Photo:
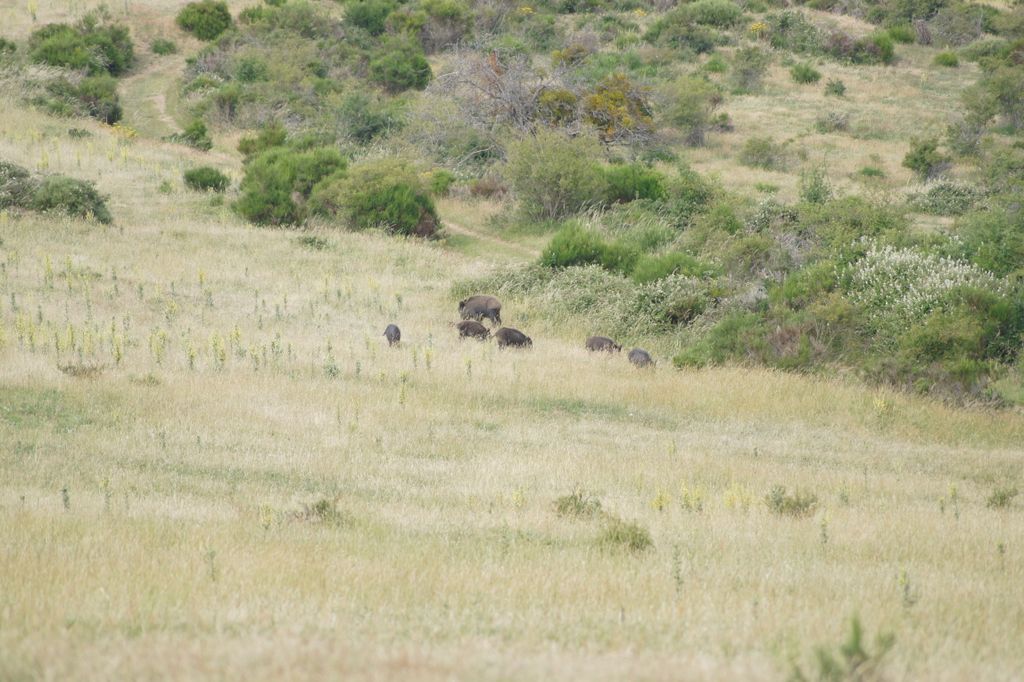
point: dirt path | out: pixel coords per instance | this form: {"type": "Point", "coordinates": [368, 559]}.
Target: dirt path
{"type": "Point", "coordinates": [518, 249]}
{"type": "Point", "coordinates": [144, 96]}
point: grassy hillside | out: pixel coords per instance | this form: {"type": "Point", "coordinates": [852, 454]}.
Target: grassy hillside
{"type": "Point", "coordinates": [212, 465]}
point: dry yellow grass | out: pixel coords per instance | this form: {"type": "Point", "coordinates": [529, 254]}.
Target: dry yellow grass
{"type": "Point", "coordinates": [151, 508]}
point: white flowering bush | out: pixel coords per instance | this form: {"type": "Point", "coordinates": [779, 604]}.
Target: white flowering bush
{"type": "Point", "coordinates": [899, 287]}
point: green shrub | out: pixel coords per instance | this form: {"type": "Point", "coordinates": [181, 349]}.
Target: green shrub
{"type": "Point", "coordinates": [367, 117]}
{"type": "Point", "coordinates": [575, 245]}
{"type": "Point", "coordinates": [945, 197]}
{"type": "Point", "coordinates": [677, 30]}
{"type": "Point", "coordinates": [627, 182]}
{"type": "Point", "coordinates": [400, 66]}
{"type": "Point", "coordinates": [764, 152]}
{"type": "Point", "coordinates": [382, 193]}
{"type": "Point", "coordinates": [687, 194]}
{"type": "Point", "coordinates": [275, 178]}
{"type": "Point", "coordinates": [691, 101]}
{"type": "Point", "coordinates": [652, 268]}
{"type": "Point", "coordinates": [948, 59]}
{"type": "Point", "coordinates": [835, 88]}
{"type": "Point", "coordinates": [369, 15]}
{"type": "Point", "coordinates": [871, 172]}
{"type": "Point", "coordinates": [7, 47]}
{"type": "Point", "coordinates": [815, 187]}
{"type": "Point", "coordinates": [628, 535]}
{"type": "Point", "coordinates": [16, 186]}
{"type": "Point", "coordinates": [925, 159]}
{"type": "Point", "coordinates": [902, 33]}
{"type": "Point", "coordinates": [205, 20]}
{"type": "Point", "coordinates": [440, 182]}
{"type": "Point", "coordinates": [194, 135]}
{"type": "Point", "coordinates": [206, 179]}
{"type": "Point", "coordinates": [76, 198]}
{"type": "Point", "coordinates": [790, 504]}
{"type": "Point", "coordinates": [554, 175]}
{"type": "Point", "coordinates": [718, 13]}
{"type": "Point", "coordinates": [98, 95]}
{"type": "Point", "coordinates": [994, 239]}
{"type": "Point", "coordinates": [749, 65]}
{"type": "Point", "coordinates": [162, 46]}
{"type": "Point", "coordinates": [272, 135]}
{"type": "Point", "coordinates": [804, 73]}
{"type": "Point", "coordinates": [90, 45]}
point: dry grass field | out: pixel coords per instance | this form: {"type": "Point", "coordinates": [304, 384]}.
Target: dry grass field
{"type": "Point", "coordinates": [213, 467]}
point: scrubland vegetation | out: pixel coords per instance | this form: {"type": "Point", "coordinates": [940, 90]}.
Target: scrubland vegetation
{"type": "Point", "coordinates": [213, 465]}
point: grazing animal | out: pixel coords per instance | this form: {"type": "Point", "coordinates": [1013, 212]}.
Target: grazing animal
{"type": "Point", "coordinates": [393, 334]}
{"type": "Point", "coordinates": [512, 337]}
{"type": "Point", "coordinates": [603, 343]}
{"type": "Point", "coordinates": [640, 358]}
{"type": "Point", "coordinates": [472, 328]}
{"type": "Point", "coordinates": [480, 307]}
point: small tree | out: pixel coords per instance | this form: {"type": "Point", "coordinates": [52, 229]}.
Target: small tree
{"type": "Point", "coordinates": [379, 193]}
{"type": "Point", "coordinates": [554, 175]}
{"type": "Point", "coordinates": [925, 159]}
{"type": "Point", "coordinates": [749, 66]}
{"type": "Point", "coordinates": [205, 20]}
{"type": "Point", "coordinates": [620, 110]}
{"type": "Point", "coordinates": [690, 102]}
{"type": "Point", "coordinates": [400, 66]}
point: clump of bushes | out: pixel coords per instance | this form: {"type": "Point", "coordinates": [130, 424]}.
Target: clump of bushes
{"type": "Point", "coordinates": [925, 159]}
{"type": "Point", "coordinates": [400, 65]}
{"type": "Point", "coordinates": [382, 193]}
{"type": "Point", "coordinates": [627, 182]}
{"type": "Point", "coordinates": [195, 135]}
{"type": "Point", "coordinates": [553, 175]}
{"type": "Point", "coordinates": [205, 20]}
{"type": "Point", "coordinates": [832, 121]}
{"type": "Point", "coordinates": [835, 88]}
{"type": "Point", "coordinates": [163, 46]}
{"type": "Point", "coordinates": [804, 74]}
{"type": "Point", "coordinates": [206, 179]}
{"type": "Point", "coordinates": [749, 65]}
{"type": "Point", "coordinates": [944, 197]}
{"type": "Point", "coordinates": [627, 535]}
{"type": "Point", "coordinates": [92, 45]}
{"type": "Point", "coordinates": [94, 96]}
{"type": "Point", "coordinates": [19, 189]}
{"type": "Point", "coordinates": [278, 183]}
{"type": "Point", "coordinates": [764, 152]}
{"type": "Point", "coordinates": [947, 59]}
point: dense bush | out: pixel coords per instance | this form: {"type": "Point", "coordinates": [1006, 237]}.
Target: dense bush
{"type": "Point", "coordinates": [16, 186]}
{"type": "Point", "coordinates": [944, 197]}
{"type": "Point", "coordinates": [206, 179]}
{"type": "Point", "coordinates": [718, 13]}
{"type": "Point", "coordinates": [91, 45]}
{"type": "Point", "coordinates": [804, 73]}
{"type": "Point", "coordinates": [7, 47]}
{"type": "Point", "coordinates": [947, 59]}
{"type": "Point", "coordinates": [689, 104]}
{"type": "Point", "coordinates": [925, 159]}
{"type": "Point", "coordinates": [993, 239]}
{"type": "Point", "coordinates": [576, 245]}
{"type": "Point", "coordinates": [381, 193]}
{"type": "Point", "coordinates": [764, 152]}
{"type": "Point", "coordinates": [369, 15]}
{"type": "Point", "coordinates": [162, 46]}
{"type": "Point", "coordinates": [278, 182]}
{"type": "Point", "coordinates": [205, 20]}
{"type": "Point", "coordinates": [835, 88]}
{"type": "Point", "coordinates": [749, 65]}
{"type": "Point", "coordinates": [627, 182]}
{"type": "Point", "coordinates": [400, 66]}
{"type": "Point", "coordinates": [677, 30]}
{"type": "Point", "coordinates": [194, 135]}
{"type": "Point", "coordinates": [555, 176]}
{"type": "Point", "coordinates": [78, 198]}
{"type": "Point", "coordinates": [94, 96]}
